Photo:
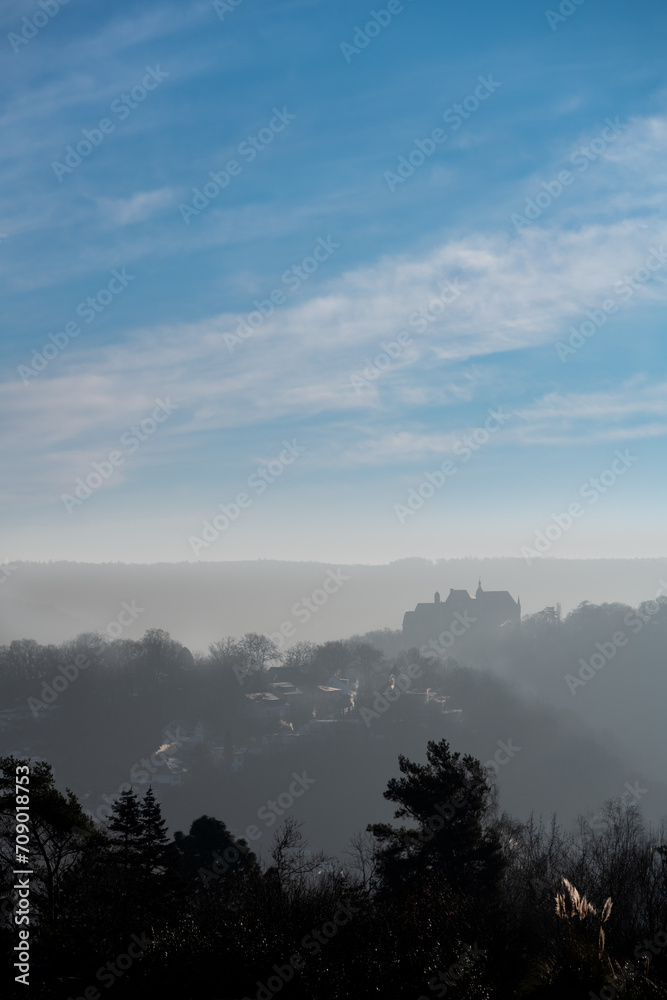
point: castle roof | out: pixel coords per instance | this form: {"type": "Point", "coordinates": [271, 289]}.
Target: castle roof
{"type": "Point", "coordinates": [496, 599]}
{"type": "Point", "coordinates": [489, 609]}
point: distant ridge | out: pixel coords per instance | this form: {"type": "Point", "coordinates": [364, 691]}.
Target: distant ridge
{"type": "Point", "coordinates": [201, 602]}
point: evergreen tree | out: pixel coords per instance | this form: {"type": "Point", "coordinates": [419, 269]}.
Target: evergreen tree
{"type": "Point", "coordinates": [209, 853]}
{"type": "Point", "coordinates": [159, 862]}
{"type": "Point", "coordinates": [126, 827]}
{"type": "Point", "coordinates": [157, 854]}
{"type": "Point", "coordinates": [450, 799]}
{"type": "Point", "coordinates": [144, 859]}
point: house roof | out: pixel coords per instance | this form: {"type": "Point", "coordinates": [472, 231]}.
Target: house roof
{"type": "Point", "coordinates": [284, 688]}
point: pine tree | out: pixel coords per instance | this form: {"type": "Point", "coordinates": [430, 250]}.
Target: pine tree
{"type": "Point", "coordinates": [450, 799]}
{"type": "Point", "coordinates": [159, 861]}
{"type": "Point", "coordinates": [125, 826]}
{"type": "Point", "coordinates": [157, 856]}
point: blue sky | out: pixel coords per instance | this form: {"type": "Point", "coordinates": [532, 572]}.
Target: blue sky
{"type": "Point", "coordinates": [583, 94]}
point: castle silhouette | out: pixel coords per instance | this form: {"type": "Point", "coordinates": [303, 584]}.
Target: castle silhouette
{"type": "Point", "coordinates": [460, 615]}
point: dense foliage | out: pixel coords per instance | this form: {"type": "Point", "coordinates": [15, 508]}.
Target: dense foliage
{"type": "Point", "coordinates": [457, 898]}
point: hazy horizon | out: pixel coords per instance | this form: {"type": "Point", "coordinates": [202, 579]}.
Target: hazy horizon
{"type": "Point", "coordinates": [54, 601]}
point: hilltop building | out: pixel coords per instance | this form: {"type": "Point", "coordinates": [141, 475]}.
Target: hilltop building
{"type": "Point", "coordinates": [459, 616]}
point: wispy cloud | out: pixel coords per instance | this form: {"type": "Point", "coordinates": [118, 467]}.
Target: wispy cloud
{"type": "Point", "coordinates": [626, 412]}
{"type": "Point", "coordinates": [136, 208]}
{"type": "Point", "coordinates": [519, 293]}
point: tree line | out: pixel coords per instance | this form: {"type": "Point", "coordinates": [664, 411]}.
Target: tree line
{"type": "Point", "coordinates": [454, 899]}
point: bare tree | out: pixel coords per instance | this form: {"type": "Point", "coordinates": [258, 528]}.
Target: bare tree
{"type": "Point", "coordinates": [294, 864]}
